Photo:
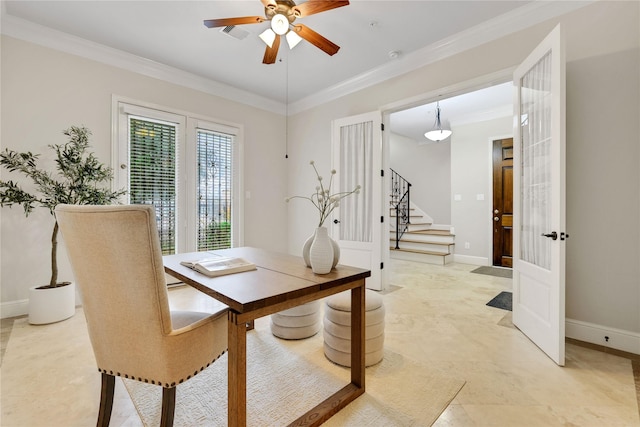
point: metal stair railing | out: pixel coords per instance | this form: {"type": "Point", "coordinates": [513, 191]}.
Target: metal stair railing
{"type": "Point", "coordinates": [400, 198]}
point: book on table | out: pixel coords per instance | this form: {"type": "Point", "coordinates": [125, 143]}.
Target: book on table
{"type": "Point", "coordinates": [219, 266]}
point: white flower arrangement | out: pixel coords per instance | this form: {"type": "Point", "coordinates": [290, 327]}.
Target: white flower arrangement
{"type": "Point", "coordinates": [322, 199]}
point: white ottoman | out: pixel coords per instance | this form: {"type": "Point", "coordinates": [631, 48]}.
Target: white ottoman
{"type": "Point", "coordinates": [298, 322]}
{"type": "Point", "coordinates": [337, 328]}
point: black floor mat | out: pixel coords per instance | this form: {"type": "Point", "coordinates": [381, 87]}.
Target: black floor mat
{"type": "Point", "coordinates": [503, 300]}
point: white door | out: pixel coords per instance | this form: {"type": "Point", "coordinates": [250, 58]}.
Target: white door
{"type": "Point", "coordinates": [356, 223]}
{"type": "Point", "coordinates": [539, 197]}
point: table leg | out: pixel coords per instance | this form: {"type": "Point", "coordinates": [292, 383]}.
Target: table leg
{"type": "Point", "coordinates": [355, 388]}
{"type": "Point", "coordinates": [358, 336]}
{"type": "Point", "coordinates": [237, 357]}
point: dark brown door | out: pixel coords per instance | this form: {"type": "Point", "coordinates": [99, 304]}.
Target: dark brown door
{"type": "Point", "coordinates": [502, 202]}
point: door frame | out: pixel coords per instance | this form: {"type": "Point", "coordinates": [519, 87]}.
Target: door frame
{"type": "Point", "coordinates": [471, 85]}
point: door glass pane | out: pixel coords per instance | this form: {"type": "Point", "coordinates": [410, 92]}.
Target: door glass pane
{"type": "Point", "coordinates": [535, 123]}
{"type": "Point", "coordinates": [356, 168]}
{"type": "Point", "coordinates": [214, 189]}
{"type": "Point", "coordinates": [152, 173]}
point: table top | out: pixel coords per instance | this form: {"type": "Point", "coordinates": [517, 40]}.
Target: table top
{"type": "Point", "coordinates": [279, 277]}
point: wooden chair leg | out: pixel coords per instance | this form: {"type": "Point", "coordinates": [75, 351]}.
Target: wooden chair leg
{"type": "Point", "coordinates": [106, 399]}
{"type": "Point", "coordinates": [168, 406]}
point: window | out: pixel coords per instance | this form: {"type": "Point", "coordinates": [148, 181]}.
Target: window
{"type": "Point", "coordinates": [187, 168]}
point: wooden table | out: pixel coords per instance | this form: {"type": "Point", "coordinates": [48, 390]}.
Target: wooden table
{"type": "Point", "coordinates": [281, 282]}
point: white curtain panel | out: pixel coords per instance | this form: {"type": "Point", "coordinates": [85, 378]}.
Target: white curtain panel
{"type": "Point", "coordinates": [536, 163]}
{"type": "Point", "coordinates": [356, 157]}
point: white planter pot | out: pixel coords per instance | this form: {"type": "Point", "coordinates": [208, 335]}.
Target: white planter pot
{"type": "Point", "coordinates": [51, 305]}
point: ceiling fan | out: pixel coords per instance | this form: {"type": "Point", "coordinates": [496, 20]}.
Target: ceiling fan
{"type": "Point", "coordinates": [282, 14]}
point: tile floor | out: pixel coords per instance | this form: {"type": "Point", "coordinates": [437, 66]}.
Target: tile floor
{"type": "Point", "coordinates": [435, 315]}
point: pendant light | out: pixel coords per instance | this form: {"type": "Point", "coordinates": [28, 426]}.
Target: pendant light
{"type": "Point", "coordinates": [440, 130]}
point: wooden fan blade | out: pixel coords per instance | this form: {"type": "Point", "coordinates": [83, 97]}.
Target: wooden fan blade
{"type": "Point", "coordinates": [316, 6]}
{"type": "Point", "coordinates": [225, 22]}
{"type": "Point", "coordinates": [268, 3]}
{"type": "Point", "coordinates": [271, 53]}
{"type": "Point", "coordinates": [316, 39]}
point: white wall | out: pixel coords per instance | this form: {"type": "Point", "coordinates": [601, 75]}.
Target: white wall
{"type": "Point", "coordinates": [603, 150]}
{"type": "Point", "coordinates": [601, 33]}
{"type": "Point", "coordinates": [428, 168]}
{"type": "Point", "coordinates": [45, 91]}
{"type": "Point", "coordinates": [471, 180]}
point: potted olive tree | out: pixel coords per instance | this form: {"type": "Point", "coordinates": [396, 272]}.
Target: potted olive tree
{"type": "Point", "coordinates": [78, 179]}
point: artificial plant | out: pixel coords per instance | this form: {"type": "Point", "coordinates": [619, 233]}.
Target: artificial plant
{"type": "Point", "coordinates": [79, 174]}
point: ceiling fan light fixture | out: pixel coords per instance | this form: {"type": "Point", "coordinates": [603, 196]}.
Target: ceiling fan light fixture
{"type": "Point", "coordinates": [282, 14]}
{"type": "Point", "coordinates": [279, 24]}
{"type": "Point", "coordinates": [441, 129]}
{"type": "Point", "coordinates": [268, 37]}
{"type": "Point", "coordinates": [293, 39]}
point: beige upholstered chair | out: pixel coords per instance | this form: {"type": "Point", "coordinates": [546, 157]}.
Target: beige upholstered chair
{"type": "Point", "coordinates": [117, 263]}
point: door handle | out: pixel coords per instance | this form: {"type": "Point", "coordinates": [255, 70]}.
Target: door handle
{"type": "Point", "coordinates": [553, 235]}
{"type": "Point", "coordinates": [335, 221]}
{"type": "Point", "coordinates": [496, 219]}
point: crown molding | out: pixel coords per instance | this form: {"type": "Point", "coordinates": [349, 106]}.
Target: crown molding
{"type": "Point", "coordinates": [34, 33]}
{"type": "Point", "coordinates": [518, 19]}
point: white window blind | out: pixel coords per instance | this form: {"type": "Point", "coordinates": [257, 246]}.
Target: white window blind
{"type": "Point", "coordinates": [214, 189]}
{"type": "Point", "coordinates": [152, 173]}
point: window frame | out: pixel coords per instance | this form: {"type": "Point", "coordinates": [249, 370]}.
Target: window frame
{"type": "Point", "coordinates": [186, 180]}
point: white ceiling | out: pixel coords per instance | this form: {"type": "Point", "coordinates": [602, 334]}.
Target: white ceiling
{"type": "Point", "coordinates": [171, 34]}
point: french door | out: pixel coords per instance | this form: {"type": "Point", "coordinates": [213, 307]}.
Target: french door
{"type": "Point", "coordinates": [539, 197]}
{"type": "Point", "coordinates": [357, 223]}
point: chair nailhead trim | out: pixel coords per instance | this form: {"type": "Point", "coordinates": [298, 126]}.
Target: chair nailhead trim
{"type": "Point", "coordinates": [172, 385]}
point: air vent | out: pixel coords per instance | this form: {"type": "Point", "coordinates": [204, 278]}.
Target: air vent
{"type": "Point", "coordinates": [235, 32]}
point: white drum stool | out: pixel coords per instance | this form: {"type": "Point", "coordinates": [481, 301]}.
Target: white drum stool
{"type": "Point", "coordinates": [337, 328]}
{"type": "Point", "coordinates": [298, 322]}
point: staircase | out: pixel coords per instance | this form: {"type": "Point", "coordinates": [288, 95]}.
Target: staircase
{"type": "Point", "coordinates": [421, 240]}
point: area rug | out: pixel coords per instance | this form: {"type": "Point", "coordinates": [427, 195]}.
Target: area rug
{"type": "Point", "coordinates": [503, 300]}
{"type": "Point", "coordinates": [287, 378]}
{"type": "Point", "coordinates": [494, 271]}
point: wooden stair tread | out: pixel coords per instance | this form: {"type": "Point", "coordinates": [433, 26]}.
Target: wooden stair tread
{"type": "Point", "coordinates": [432, 232]}
{"type": "Point", "coordinates": [421, 241]}
{"type": "Point", "coordinates": [418, 251]}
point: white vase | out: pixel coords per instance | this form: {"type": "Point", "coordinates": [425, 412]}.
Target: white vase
{"type": "Point", "coordinates": [321, 252]}
{"type": "Point", "coordinates": [51, 305]}
{"type": "Point", "coordinates": [307, 247]}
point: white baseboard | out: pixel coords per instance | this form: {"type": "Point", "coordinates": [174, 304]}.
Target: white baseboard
{"type": "Point", "coordinates": [14, 308]}
{"type": "Point", "coordinates": [597, 334]}
{"type": "Point", "coordinates": [468, 259]}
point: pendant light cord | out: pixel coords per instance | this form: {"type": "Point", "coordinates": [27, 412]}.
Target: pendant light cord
{"type": "Point", "coordinates": [286, 110]}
